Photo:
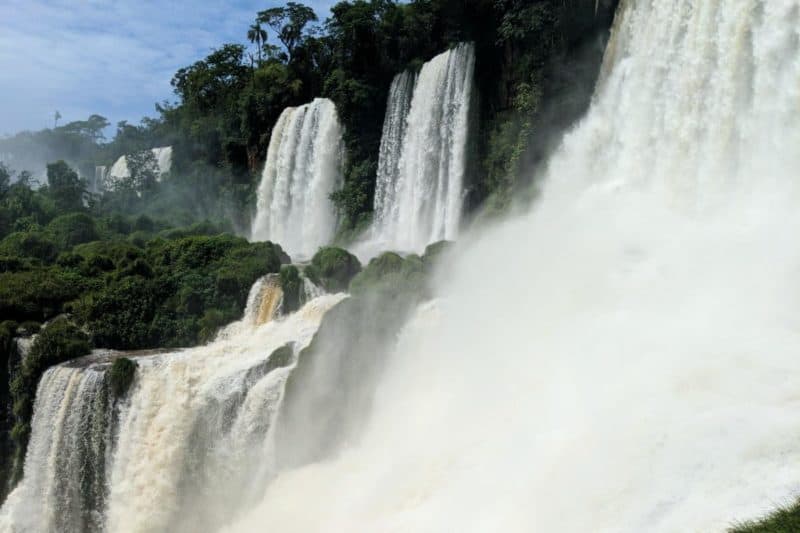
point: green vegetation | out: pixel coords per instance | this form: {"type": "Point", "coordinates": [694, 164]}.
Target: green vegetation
{"type": "Point", "coordinates": [121, 375]}
{"type": "Point", "coordinates": [8, 360]}
{"type": "Point", "coordinates": [785, 520]}
{"type": "Point", "coordinates": [292, 286]}
{"type": "Point", "coordinates": [333, 268]}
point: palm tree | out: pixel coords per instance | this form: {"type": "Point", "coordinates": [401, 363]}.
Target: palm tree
{"type": "Point", "coordinates": [257, 35]}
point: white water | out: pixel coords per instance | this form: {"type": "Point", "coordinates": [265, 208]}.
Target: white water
{"type": "Point", "coordinates": [625, 357]}
{"type": "Point", "coordinates": [394, 132]}
{"type": "Point", "coordinates": [303, 168]}
{"type": "Point", "coordinates": [194, 438]}
{"type": "Point", "coordinates": [423, 157]}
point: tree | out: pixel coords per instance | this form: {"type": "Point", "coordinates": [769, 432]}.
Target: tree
{"type": "Point", "coordinates": [65, 187]}
{"type": "Point", "coordinates": [56, 118]}
{"type": "Point", "coordinates": [258, 36]}
{"type": "Point", "coordinates": [289, 23]}
{"type": "Point", "coordinates": [5, 180]}
{"type": "Point", "coordinates": [144, 171]}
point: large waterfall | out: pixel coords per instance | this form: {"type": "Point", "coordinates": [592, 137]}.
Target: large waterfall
{"type": "Point", "coordinates": [423, 155]}
{"type": "Point", "coordinates": [623, 358]}
{"type": "Point", "coordinates": [303, 168]}
{"type": "Point", "coordinates": [183, 450]}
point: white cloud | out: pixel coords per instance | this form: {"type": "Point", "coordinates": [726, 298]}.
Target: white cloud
{"type": "Point", "coordinates": [112, 57]}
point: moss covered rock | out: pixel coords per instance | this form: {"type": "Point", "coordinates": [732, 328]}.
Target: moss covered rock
{"type": "Point", "coordinates": [332, 268]}
{"type": "Point", "coordinates": [292, 286]}
{"type": "Point", "coordinates": [121, 375]}
{"type": "Point", "coordinates": [391, 273]}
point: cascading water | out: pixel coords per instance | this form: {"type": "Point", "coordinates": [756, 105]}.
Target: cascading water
{"type": "Point", "coordinates": [69, 452]}
{"type": "Point", "coordinates": [394, 131]}
{"type": "Point", "coordinates": [187, 446]}
{"type": "Point", "coordinates": [632, 365]}
{"type": "Point", "coordinates": [423, 158]}
{"type": "Point", "coordinates": [303, 168]}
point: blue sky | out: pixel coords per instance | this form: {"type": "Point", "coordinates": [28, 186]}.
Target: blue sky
{"type": "Point", "coordinates": [112, 57]}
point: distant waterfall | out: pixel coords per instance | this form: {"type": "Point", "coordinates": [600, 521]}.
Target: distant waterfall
{"type": "Point", "coordinates": [303, 168]}
{"type": "Point", "coordinates": [119, 170]}
{"type": "Point", "coordinates": [423, 157]}
{"type": "Point", "coordinates": [182, 450]}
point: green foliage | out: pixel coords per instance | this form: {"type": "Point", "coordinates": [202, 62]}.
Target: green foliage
{"type": "Point", "coordinates": [35, 245]}
{"type": "Point", "coordinates": [177, 292]}
{"type": "Point", "coordinates": [70, 230]}
{"type": "Point", "coordinates": [289, 23]}
{"type": "Point", "coordinates": [59, 341]}
{"type": "Point", "coordinates": [120, 375]}
{"type": "Point", "coordinates": [65, 187]}
{"type": "Point", "coordinates": [784, 520]}
{"type": "Point", "coordinates": [391, 274]}
{"type": "Point", "coordinates": [292, 286]}
{"type": "Point", "coordinates": [8, 357]}
{"type": "Point", "coordinates": [333, 268]}
{"type": "Point", "coordinates": [39, 293]}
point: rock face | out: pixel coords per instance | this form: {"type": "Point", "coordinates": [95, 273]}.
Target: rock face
{"type": "Point", "coordinates": [333, 268]}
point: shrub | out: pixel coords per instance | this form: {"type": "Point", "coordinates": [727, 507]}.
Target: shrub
{"type": "Point", "coordinates": [291, 284]}
{"type": "Point", "coordinates": [121, 375]}
{"type": "Point", "coordinates": [29, 244]}
{"type": "Point", "coordinates": [72, 229]}
{"type": "Point", "coordinates": [58, 341]}
{"type": "Point", "coordinates": [333, 268]}
{"type": "Point", "coordinates": [390, 273]}
{"type": "Point", "coordinates": [210, 324]}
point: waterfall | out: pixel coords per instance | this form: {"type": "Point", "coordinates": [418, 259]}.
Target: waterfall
{"type": "Point", "coordinates": [68, 454]}
{"type": "Point", "coordinates": [632, 362]}
{"type": "Point", "coordinates": [183, 450]}
{"type": "Point", "coordinates": [423, 157]}
{"type": "Point", "coordinates": [303, 168]}
{"type": "Point", "coordinates": [264, 301]}
{"type": "Point", "coordinates": [394, 130]}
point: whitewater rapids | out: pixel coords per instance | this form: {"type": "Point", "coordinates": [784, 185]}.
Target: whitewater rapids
{"type": "Point", "coordinates": [631, 364]}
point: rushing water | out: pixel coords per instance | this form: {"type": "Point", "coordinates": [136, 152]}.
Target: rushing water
{"type": "Point", "coordinates": [303, 168]}
{"type": "Point", "coordinates": [183, 450]}
{"type": "Point", "coordinates": [423, 156]}
{"type": "Point", "coordinates": [623, 358]}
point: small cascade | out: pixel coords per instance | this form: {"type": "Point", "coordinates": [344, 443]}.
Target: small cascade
{"type": "Point", "coordinates": [184, 449]}
{"type": "Point", "coordinates": [24, 345]}
{"type": "Point", "coordinates": [100, 174]}
{"type": "Point", "coordinates": [264, 304]}
{"type": "Point", "coordinates": [310, 291]}
{"type": "Point", "coordinates": [303, 168]}
{"type": "Point", "coordinates": [423, 156]}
